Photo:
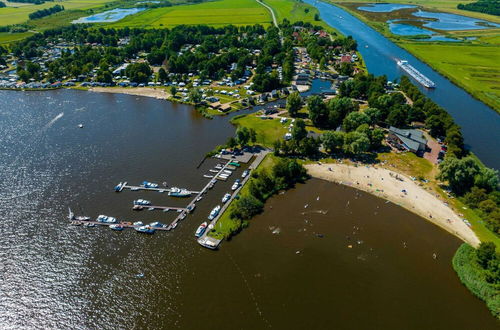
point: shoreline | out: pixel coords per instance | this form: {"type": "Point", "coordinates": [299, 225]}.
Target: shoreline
{"type": "Point", "coordinates": [382, 183]}
{"type": "Point", "coordinates": [137, 91]}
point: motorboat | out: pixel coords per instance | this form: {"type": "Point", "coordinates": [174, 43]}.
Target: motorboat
{"type": "Point", "coordinates": [215, 211]}
{"type": "Point", "coordinates": [201, 229]}
{"type": "Point", "coordinates": [178, 192]}
{"type": "Point", "coordinates": [156, 225]}
{"type": "Point", "coordinates": [236, 185]}
{"type": "Point", "coordinates": [245, 173]}
{"type": "Point", "coordinates": [142, 202]}
{"type": "Point", "coordinates": [117, 227]}
{"type": "Point", "coordinates": [226, 198]}
{"type": "Point", "coordinates": [145, 230]}
{"type": "Point", "coordinates": [147, 184]}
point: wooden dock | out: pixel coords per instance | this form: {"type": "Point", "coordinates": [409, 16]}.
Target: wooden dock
{"type": "Point", "coordinates": [192, 204]}
{"type": "Point", "coordinates": [210, 242]}
{"type": "Point", "coordinates": [139, 188]}
{"type": "Point", "coordinates": [123, 223]}
{"type": "Point", "coordinates": [157, 207]}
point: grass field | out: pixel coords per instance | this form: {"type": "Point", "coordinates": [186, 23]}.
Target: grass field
{"type": "Point", "coordinates": [216, 13]}
{"type": "Point", "coordinates": [6, 37]}
{"type": "Point", "coordinates": [294, 10]}
{"type": "Point", "coordinates": [268, 130]}
{"type": "Point", "coordinates": [17, 15]}
{"type": "Point", "coordinates": [474, 67]}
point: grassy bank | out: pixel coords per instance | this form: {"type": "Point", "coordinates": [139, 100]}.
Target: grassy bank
{"type": "Point", "coordinates": [19, 14]}
{"type": "Point", "coordinates": [215, 13]}
{"type": "Point", "coordinates": [473, 276]}
{"type": "Point", "coordinates": [268, 130]}
{"type": "Point", "coordinates": [473, 67]}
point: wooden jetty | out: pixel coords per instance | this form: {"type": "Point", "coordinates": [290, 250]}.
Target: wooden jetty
{"type": "Point", "coordinates": [213, 243]}
{"type": "Point", "coordinates": [123, 223]}
{"type": "Point", "coordinates": [157, 207]}
{"type": "Point", "coordinates": [139, 188]}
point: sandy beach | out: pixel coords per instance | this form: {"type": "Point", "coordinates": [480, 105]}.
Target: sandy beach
{"type": "Point", "coordinates": [398, 189]}
{"type": "Point", "coordinates": [139, 91]}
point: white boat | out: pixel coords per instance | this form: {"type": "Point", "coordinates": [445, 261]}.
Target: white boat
{"type": "Point", "coordinates": [226, 198]}
{"type": "Point", "coordinates": [245, 173]}
{"type": "Point", "coordinates": [415, 74]}
{"type": "Point", "coordinates": [111, 220]}
{"type": "Point", "coordinates": [142, 202]}
{"type": "Point", "coordinates": [227, 172]}
{"type": "Point", "coordinates": [102, 218]}
{"type": "Point", "coordinates": [201, 229]}
{"type": "Point", "coordinates": [213, 171]}
{"type": "Point", "coordinates": [208, 176]}
{"type": "Point", "coordinates": [178, 192]}
{"type": "Point", "coordinates": [80, 125]}
{"type": "Point", "coordinates": [116, 227]}
{"type": "Point", "coordinates": [236, 185]}
{"type": "Point", "coordinates": [138, 223]}
{"type": "Point", "coordinates": [147, 184]}
{"type": "Point", "coordinates": [215, 211]}
{"type": "Point", "coordinates": [145, 230]}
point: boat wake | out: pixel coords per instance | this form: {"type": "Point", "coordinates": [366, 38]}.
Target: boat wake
{"type": "Point", "coordinates": [56, 118]}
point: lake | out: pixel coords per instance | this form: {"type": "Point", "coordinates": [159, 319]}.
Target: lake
{"type": "Point", "coordinates": [432, 20]}
{"type": "Point", "coordinates": [480, 124]}
{"type": "Point", "coordinates": [108, 16]}
{"type": "Point", "coordinates": [304, 275]}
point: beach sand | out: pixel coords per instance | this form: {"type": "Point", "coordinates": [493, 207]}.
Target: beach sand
{"type": "Point", "coordinates": [383, 183]}
{"type": "Point", "coordinates": [139, 91]}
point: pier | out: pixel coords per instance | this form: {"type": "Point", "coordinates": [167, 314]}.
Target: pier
{"type": "Point", "coordinates": [210, 242]}
{"type": "Point", "coordinates": [157, 207]}
{"type": "Point", "coordinates": [124, 224]}
{"type": "Point", "coordinates": [139, 188]}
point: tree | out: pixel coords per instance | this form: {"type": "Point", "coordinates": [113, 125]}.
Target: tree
{"type": "Point", "coordinates": [231, 142]}
{"type": "Point", "coordinates": [376, 137]}
{"type": "Point", "coordinates": [355, 119]}
{"type": "Point", "coordinates": [253, 135]}
{"type": "Point", "coordinates": [356, 143]}
{"type": "Point", "coordinates": [397, 117]}
{"type": "Point", "coordinates": [374, 114]}
{"type": "Point", "coordinates": [138, 72]}
{"type": "Point", "coordinates": [195, 95]}
{"type": "Point", "coordinates": [487, 178]}
{"type": "Point", "coordinates": [332, 140]}
{"type": "Point", "coordinates": [242, 135]}
{"type": "Point", "coordinates": [317, 110]}
{"type": "Point", "coordinates": [459, 173]}
{"type": "Point", "coordinates": [485, 252]}
{"type": "Point", "coordinates": [299, 131]}
{"type": "Point", "coordinates": [173, 91]}
{"type": "Point", "coordinates": [162, 75]}
{"type": "Point", "coordinates": [294, 103]}
{"type": "Point", "coordinates": [246, 207]}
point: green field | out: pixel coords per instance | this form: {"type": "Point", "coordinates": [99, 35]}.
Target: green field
{"type": "Point", "coordinates": [294, 10]}
{"type": "Point", "coordinates": [6, 37]}
{"type": "Point", "coordinates": [268, 130]}
{"type": "Point", "coordinates": [474, 67]}
{"type": "Point", "coordinates": [17, 15]}
{"type": "Point", "coordinates": [216, 13]}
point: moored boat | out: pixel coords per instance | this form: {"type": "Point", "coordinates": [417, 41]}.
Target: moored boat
{"type": "Point", "coordinates": [147, 184]}
{"type": "Point", "coordinates": [215, 211]}
{"type": "Point", "coordinates": [245, 173]}
{"type": "Point", "coordinates": [178, 192]}
{"type": "Point", "coordinates": [145, 230]}
{"type": "Point", "coordinates": [117, 227]}
{"type": "Point", "coordinates": [236, 185]}
{"type": "Point", "coordinates": [201, 229]}
{"type": "Point", "coordinates": [142, 202]}
{"type": "Point", "coordinates": [226, 198]}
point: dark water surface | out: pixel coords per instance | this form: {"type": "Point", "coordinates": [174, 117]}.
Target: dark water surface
{"type": "Point", "coordinates": [56, 276]}
{"type": "Point", "coordinates": [480, 124]}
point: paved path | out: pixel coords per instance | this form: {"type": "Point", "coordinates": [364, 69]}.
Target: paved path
{"type": "Point", "coordinates": [275, 21]}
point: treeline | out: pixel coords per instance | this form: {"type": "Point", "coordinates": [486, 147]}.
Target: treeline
{"type": "Point", "coordinates": [437, 120]}
{"type": "Point", "coordinates": [46, 12]}
{"type": "Point", "coordinates": [284, 174]}
{"type": "Point", "coordinates": [477, 185]}
{"type": "Point", "coordinates": [479, 271]}
{"type": "Point", "coordinates": [2, 4]}
{"type": "Point", "coordinates": [491, 7]}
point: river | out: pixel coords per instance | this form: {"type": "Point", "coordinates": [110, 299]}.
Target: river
{"type": "Point", "coordinates": [480, 124]}
{"type": "Point", "coordinates": [57, 276]}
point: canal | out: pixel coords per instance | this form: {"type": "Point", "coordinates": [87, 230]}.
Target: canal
{"type": "Point", "coordinates": [480, 124]}
{"type": "Point", "coordinates": [320, 256]}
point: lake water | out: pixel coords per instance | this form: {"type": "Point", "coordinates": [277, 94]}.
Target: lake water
{"type": "Point", "coordinates": [402, 29]}
{"type": "Point", "coordinates": [480, 124]}
{"type": "Point", "coordinates": [59, 276]}
{"type": "Point", "coordinates": [433, 20]}
{"type": "Point", "coordinates": [109, 16]}
{"type": "Point", "coordinates": [384, 7]}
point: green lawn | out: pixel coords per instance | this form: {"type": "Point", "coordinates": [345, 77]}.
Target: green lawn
{"type": "Point", "coordinates": [18, 15]}
{"type": "Point", "coordinates": [294, 10]}
{"type": "Point", "coordinates": [6, 37]}
{"type": "Point", "coordinates": [268, 130]}
{"type": "Point", "coordinates": [217, 13]}
{"type": "Point", "coordinates": [474, 67]}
